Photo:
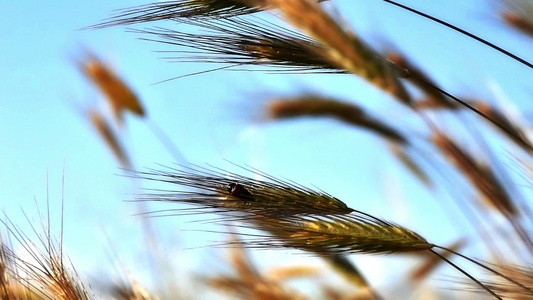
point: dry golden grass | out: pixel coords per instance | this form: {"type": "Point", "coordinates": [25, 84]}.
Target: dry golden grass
{"type": "Point", "coordinates": [248, 282]}
{"type": "Point", "coordinates": [343, 48]}
{"type": "Point", "coordinates": [272, 213]}
{"type": "Point", "coordinates": [120, 96]}
{"type": "Point", "coordinates": [519, 22]}
{"type": "Point", "coordinates": [106, 132]}
{"type": "Point", "coordinates": [346, 112]}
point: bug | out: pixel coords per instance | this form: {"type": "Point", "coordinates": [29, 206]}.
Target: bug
{"type": "Point", "coordinates": [239, 191]}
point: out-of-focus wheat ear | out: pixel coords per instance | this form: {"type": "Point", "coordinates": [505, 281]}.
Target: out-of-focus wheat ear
{"type": "Point", "coordinates": [120, 96]}
{"type": "Point", "coordinates": [485, 180]}
{"type": "Point", "coordinates": [402, 154]}
{"type": "Point", "coordinates": [332, 293]}
{"type": "Point", "coordinates": [523, 285]}
{"type": "Point", "coordinates": [408, 70]}
{"type": "Point", "coordinates": [510, 291]}
{"type": "Point", "coordinates": [480, 175]}
{"type": "Point", "coordinates": [519, 22]}
{"type": "Point", "coordinates": [44, 271]}
{"type": "Point", "coordinates": [240, 260]}
{"type": "Point", "coordinates": [111, 140]}
{"type": "Point", "coordinates": [473, 279]}
{"type": "Point", "coordinates": [133, 291]}
{"type": "Point", "coordinates": [282, 273]}
{"type": "Point", "coordinates": [343, 48]}
{"type": "Point", "coordinates": [252, 290]}
{"type": "Point", "coordinates": [347, 269]}
{"type": "Point", "coordinates": [249, 283]}
{"type": "Point", "coordinates": [13, 285]}
{"type": "Point", "coordinates": [508, 127]}
{"type": "Point", "coordinates": [433, 262]}
{"type": "Point", "coordinates": [7, 285]}
{"type": "Point", "coordinates": [346, 112]}
{"type": "Point", "coordinates": [518, 14]}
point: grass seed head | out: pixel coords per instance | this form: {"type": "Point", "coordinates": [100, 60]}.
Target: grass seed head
{"type": "Point", "coordinates": [121, 97]}
{"type": "Point", "coordinates": [179, 9]}
{"type": "Point", "coordinates": [346, 112]}
{"type": "Point", "coordinates": [519, 22]}
{"type": "Point", "coordinates": [507, 126]}
{"type": "Point", "coordinates": [481, 176]}
{"type": "Point", "coordinates": [354, 233]}
{"type": "Point", "coordinates": [343, 48]}
{"type": "Point", "coordinates": [294, 216]}
{"type": "Point", "coordinates": [407, 69]}
{"type": "Point", "coordinates": [239, 42]}
{"type": "Point", "coordinates": [224, 191]}
{"type": "Point", "coordinates": [135, 291]}
{"type": "Point", "coordinates": [104, 130]}
{"type": "Point", "coordinates": [249, 283]}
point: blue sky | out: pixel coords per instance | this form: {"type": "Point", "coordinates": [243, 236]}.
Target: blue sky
{"type": "Point", "coordinates": [45, 138]}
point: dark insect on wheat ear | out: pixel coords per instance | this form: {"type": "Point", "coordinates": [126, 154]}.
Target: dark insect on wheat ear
{"type": "Point", "coordinates": [239, 191]}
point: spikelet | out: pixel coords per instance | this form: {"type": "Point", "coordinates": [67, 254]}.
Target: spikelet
{"type": "Point", "coordinates": [343, 266]}
{"type": "Point", "coordinates": [407, 160]}
{"type": "Point", "coordinates": [518, 14]}
{"type": "Point", "coordinates": [481, 176]}
{"type": "Point", "coordinates": [120, 96]}
{"type": "Point", "coordinates": [249, 283]}
{"type": "Point", "coordinates": [317, 106]}
{"type": "Point", "coordinates": [348, 113]}
{"type": "Point", "coordinates": [183, 9]}
{"type": "Point", "coordinates": [291, 272]}
{"type": "Point", "coordinates": [133, 291]}
{"type": "Point", "coordinates": [332, 293]}
{"type": "Point", "coordinates": [225, 191]}
{"type": "Point", "coordinates": [45, 273]}
{"type": "Point", "coordinates": [352, 233]}
{"type": "Point", "coordinates": [171, 10]}
{"type": "Point", "coordinates": [239, 42]}
{"type": "Point", "coordinates": [106, 133]}
{"type": "Point", "coordinates": [522, 274]}
{"type": "Point", "coordinates": [519, 22]}
{"type": "Point", "coordinates": [342, 48]}
{"type": "Point", "coordinates": [407, 69]}
{"type": "Point", "coordinates": [485, 180]}
{"type": "Point", "coordinates": [12, 285]}
{"type": "Point", "coordinates": [8, 286]}
{"type": "Point", "coordinates": [294, 216]}
{"type": "Point", "coordinates": [507, 126]}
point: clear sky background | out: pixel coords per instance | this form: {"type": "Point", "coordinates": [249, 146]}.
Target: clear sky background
{"type": "Point", "coordinates": [45, 136]}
